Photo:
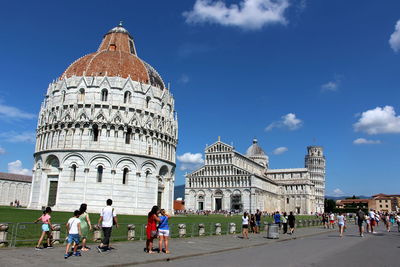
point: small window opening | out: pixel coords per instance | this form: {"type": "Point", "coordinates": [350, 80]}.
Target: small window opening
{"type": "Point", "coordinates": [104, 95]}
{"type": "Point", "coordinates": [95, 133]}
{"type": "Point", "coordinates": [128, 136]}
{"type": "Point", "coordinates": [73, 174]}
{"type": "Point", "coordinates": [125, 176]}
{"type": "Point", "coordinates": [99, 174]}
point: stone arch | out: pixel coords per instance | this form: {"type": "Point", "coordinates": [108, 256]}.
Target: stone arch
{"type": "Point", "coordinates": [124, 162]}
{"type": "Point", "coordinates": [99, 157]}
{"type": "Point", "coordinates": [163, 171]}
{"type": "Point", "coordinates": [70, 156]}
{"type": "Point", "coordinates": [148, 168]}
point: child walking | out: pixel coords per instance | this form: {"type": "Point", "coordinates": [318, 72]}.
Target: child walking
{"type": "Point", "coordinates": [74, 231]}
{"type": "Point", "coordinates": [46, 228]}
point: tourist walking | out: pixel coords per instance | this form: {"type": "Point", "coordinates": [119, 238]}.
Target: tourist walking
{"type": "Point", "coordinates": [245, 225]}
{"type": "Point", "coordinates": [325, 220]}
{"type": "Point", "coordinates": [163, 231]}
{"type": "Point", "coordinates": [360, 220]}
{"type": "Point", "coordinates": [373, 221]}
{"type": "Point", "coordinates": [386, 221]}
{"type": "Point", "coordinates": [252, 223]}
{"type": "Point", "coordinates": [284, 220]}
{"type": "Point", "coordinates": [258, 221]}
{"type": "Point", "coordinates": [151, 230]}
{"type": "Point", "coordinates": [108, 218]}
{"type": "Point", "coordinates": [291, 222]}
{"type": "Point", "coordinates": [332, 220]}
{"type": "Point", "coordinates": [46, 229]}
{"type": "Point", "coordinates": [74, 232]}
{"type": "Point", "coordinates": [341, 223]}
{"type": "Point", "coordinates": [277, 219]}
{"type": "Point", "coordinates": [86, 225]}
{"type": "Point", "coordinates": [398, 221]}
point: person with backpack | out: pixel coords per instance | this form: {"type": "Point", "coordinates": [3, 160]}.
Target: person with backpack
{"type": "Point", "coordinates": [46, 229]}
{"type": "Point", "coordinates": [163, 231]}
{"type": "Point", "coordinates": [360, 220]}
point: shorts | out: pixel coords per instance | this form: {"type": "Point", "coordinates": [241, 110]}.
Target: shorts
{"type": "Point", "coordinates": [258, 223]}
{"type": "Point", "coordinates": [360, 222]}
{"type": "Point", "coordinates": [373, 223]}
{"type": "Point", "coordinates": [331, 221]}
{"type": "Point", "coordinates": [73, 238]}
{"type": "Point", "coordinates": [45, 227]}
{"type": "Point", "coordinates": [245, 226]}
{"type": "Point", "coordinates": [163, 232]}
{"type": "Point", "coordinates": [341, 224]}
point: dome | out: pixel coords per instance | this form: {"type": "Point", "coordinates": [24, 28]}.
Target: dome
{"type": "Point", "coordinates": [116, 56]}
{"type": "Point", "coordinates": [255, 150]}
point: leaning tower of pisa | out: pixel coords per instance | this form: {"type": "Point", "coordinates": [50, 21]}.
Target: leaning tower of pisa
{"type": "Point", "coordinates": [315, 163]}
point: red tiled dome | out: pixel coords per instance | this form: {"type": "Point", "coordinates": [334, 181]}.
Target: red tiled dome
{"type": "Point", "coordinates": [116, 56]}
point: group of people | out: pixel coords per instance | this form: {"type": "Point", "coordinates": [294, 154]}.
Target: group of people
{"type": "Point", "coordinates": [372, 219]}
{"type": "Point", "coordinates": [79, 225]}
{"type": "Point", "coordinates": [253, 222]}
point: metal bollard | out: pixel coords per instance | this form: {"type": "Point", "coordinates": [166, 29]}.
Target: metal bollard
{"type": "Point", "coordinates": [131, 232]}
{"type": "Point", "coordinates": [202, 230]}
{"type": "Point", "coordinates": [232, 228]}
{"type": "Point", "coordinates": [97, 233]}
{"type": "Point", "coordinates": [3, 235]}
{"type": "Point", "coordinates": [182, 229]}
{"type": "Point", "coordinates": [217, 229]}
{"type": "Point", "coordinates": [56, 233]}
{"type": "Point", "coordinates": [273, 231]}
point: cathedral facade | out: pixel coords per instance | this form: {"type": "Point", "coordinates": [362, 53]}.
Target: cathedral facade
{"type": "Point", "coordinates": [107, 128]}
{"type": "Point", "coordinates": [232, 181]}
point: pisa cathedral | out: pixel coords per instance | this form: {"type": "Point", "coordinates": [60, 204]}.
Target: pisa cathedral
{"type": "Point", "coordinates": [232, 181]}
{"type": "Point", "coordinates": [107, 128]}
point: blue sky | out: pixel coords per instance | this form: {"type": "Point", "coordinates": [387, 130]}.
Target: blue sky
{"type": "Point", "coordinates": [292, 73]}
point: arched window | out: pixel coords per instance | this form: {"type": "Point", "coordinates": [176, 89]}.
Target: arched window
{"type": "Point", "coordinates": [99, 174]}
{"type": "Point", "coordinates": [63, 96]}
{"type": "Point", "coordinates": [81, 95]}
{"type": "Point", "coordinates": [147, 101]}
{"type": "Point", "coordinates": [95, 133]}
{"type": "Point", "coordinates": [128, 136]}
{"type": "Point", "coordinates": [73, 172]}
{"type": "Point", "coordinates": [127, 97]}
{"type": "Point", "coordinates": [125, 176]}
{"type": "Point", "coordinates": [104, 95]}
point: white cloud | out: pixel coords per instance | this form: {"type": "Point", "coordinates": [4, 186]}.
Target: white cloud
{"type": "Point", "coordinates": [2, 150]}
{"type": "Point", "coordinates": [190, 161]}
{"type": "Point", "coordinates": [13, 137]}
{"type": "Point", "coordinates": [9, 112]}
{"type": "Point", "coordinates": [289, 121]}
{"type": "Point", "coordinates": [16, 167]}
{"type": "Point", "coordinates": [378, 121]}
{"type": "Point", "coordinates": [247, 14]}
{"type": "Point", "coordinates": [394, 40]}
{"type": "Point", "coordinates": [280, 150]}
{"type": "Point", "coordinates": [337, 192]}
{"type": "Point", "coordinates": [332, 86]}
{"type": "Point", "coordinates": [184, 79]}
{"type": "Point", "coordinates": [363, 141]}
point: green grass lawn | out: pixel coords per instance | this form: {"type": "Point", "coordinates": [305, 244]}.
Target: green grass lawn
{"type": "Point", "coordinates": [26, 232]}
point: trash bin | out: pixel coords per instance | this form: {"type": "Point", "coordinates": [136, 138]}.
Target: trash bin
{"type": "Point", "coordinates": [273, 231]}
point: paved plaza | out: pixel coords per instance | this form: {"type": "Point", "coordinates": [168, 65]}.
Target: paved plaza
{"type": "Point", "coordinates": [308, 247]}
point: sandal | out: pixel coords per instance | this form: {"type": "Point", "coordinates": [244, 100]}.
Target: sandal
{"type": "Point", "coordinates": [167, 252]}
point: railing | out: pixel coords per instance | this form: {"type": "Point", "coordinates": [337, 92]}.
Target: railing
{"type": "Point", "coordinates": [24, 233]}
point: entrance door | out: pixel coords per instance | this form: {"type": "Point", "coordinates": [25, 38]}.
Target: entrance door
{"type": "Point", "coordinates": [201, 205]}
{"type": "Point", "coordinates": [218, 204]}
{"type": "Point", "coordinates": [52, 193]}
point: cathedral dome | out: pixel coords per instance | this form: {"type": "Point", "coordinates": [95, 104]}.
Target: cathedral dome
{"type": "Point", "coordinates": [255, 150]}
{"type": "Point", "coordinates": [116, 56]}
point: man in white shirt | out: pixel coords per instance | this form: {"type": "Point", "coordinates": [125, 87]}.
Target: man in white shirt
{"type": "Point", "coordinates": [372, 220]}
{"type": "Point", "coordinates": [107, 219]}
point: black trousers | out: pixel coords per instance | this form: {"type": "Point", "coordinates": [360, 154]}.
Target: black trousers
{"type": "Point", "coordinates": [284, 228]}
{"type": "Point", "coordinates": [107, 235]}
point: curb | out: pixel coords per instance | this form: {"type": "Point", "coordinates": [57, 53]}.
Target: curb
{"type": "Point", "coordinates": [216, 251]}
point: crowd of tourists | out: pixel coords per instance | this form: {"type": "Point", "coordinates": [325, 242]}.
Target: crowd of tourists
{"type": "Point", "coordinates": [79, 226]}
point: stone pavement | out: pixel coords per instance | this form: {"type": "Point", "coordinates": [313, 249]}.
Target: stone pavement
{"type": "Point", "coordinates": [131, 253]}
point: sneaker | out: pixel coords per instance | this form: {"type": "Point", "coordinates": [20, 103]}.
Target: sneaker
{"type": "Point", "coordinates": [50, 247]}
{"type": "Point", "coordinates": [38, 248]}
{"type": "Point", "coordinates": [66, 256]}
{"type": "Point", "coordinates": [77, 253]}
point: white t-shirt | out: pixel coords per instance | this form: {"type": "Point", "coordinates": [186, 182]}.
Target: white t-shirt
{"type": "Point", "coordinates": [107, 213]}
{"type": "Point", "coordinates": [245, 220]}
{"type": "Point", "coordinates": [73, 225]}
{"type": "Point", "coordinates": [340, 219]}
{"type": "Point", "coordinates": [332, 217]}
{"type": "Point", "coordinates": [372, 215]}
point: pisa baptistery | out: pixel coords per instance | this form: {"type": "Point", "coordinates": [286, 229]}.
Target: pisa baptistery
{"type": "Point", "coordinates": [107, 128]}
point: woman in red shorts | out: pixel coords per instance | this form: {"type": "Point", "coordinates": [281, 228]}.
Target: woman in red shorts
{"type": "Point", "coordinates": [151, 229]}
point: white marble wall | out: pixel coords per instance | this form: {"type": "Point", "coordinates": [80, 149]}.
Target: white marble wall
{"type": "Point", "coordinates": [14, 190]}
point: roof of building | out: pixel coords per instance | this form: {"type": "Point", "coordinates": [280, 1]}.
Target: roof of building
{"type": "Point", "coordinates": [15, 177]}
{"type": "Point", "coordinates": [287, 170]}
{"type": "Point", "coordinates": [255, 150]}
{"type": "Point", "coordinates": [348, 201]}
{"type": "Point", "coordinates": [116, 57]}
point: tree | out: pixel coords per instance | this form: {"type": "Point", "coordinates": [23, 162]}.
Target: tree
{"type": "Point", "coordinates": [329, 205]}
